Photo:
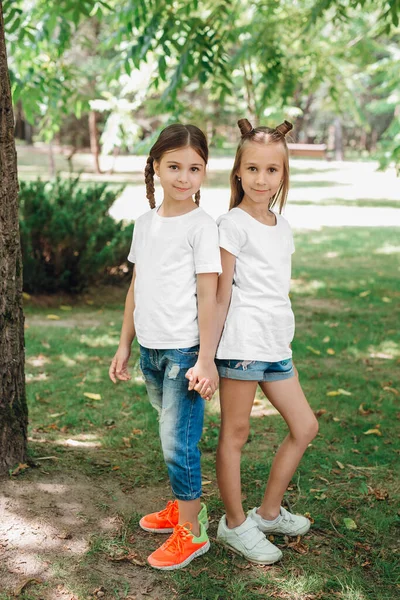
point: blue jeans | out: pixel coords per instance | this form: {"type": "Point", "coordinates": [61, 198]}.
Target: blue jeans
{"type": "Point", "coordinates": [181, 415]}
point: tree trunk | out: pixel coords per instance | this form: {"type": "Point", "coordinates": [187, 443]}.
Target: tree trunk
{"type": "Point", "coordinates": [94, 139]}
{"type": "Point", "coordinates": [338, 139]}
{"type": "Point", "coordinates": [13, 409]}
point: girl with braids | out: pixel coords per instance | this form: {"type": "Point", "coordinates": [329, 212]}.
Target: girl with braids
{"type": "Point", "coordinates": [256, 246]}
{"type": "Point", "coordinates": [172, 299]}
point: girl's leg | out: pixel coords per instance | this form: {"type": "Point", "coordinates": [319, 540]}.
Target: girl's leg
{"type": "Point", "coordinates": [288, 398]}
{"type": "Point", "coordinates": [189, 513]}
{"type": "Point", "coordinates": [181, 425]}
{"type": "Point", "coordinates": [236, 401]}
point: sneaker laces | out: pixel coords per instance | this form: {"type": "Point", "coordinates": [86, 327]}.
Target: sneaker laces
{"type": "Point", "coordinates": [170, 511]}
{"type": "Point", "coordinates": [175, 543]}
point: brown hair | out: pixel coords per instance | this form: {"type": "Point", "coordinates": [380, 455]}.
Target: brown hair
{"type": "Point", "coordinates": [261, 135]}
{"type": "Point", "coordinates": [171, 138]}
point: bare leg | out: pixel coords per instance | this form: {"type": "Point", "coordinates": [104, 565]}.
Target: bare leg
{"type": "Point", "coordinates": [189, 513]}
{"type": "Point", "coordinates": [288, 398]}
{"type": "Point", "coordinates": [237, 398]}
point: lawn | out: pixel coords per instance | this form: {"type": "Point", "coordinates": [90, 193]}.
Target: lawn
{"type": "Point", "coordinates": [71, 528]}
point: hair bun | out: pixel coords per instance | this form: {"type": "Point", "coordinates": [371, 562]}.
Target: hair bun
{"type": "Point", "coordinates": [245, 126]}
{"type": "Point", "coordinates": [284, 127]}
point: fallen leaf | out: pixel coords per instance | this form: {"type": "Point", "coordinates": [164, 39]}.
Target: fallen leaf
{"type": "Point", "coordinates": [309, 517]}
{"type": "Point", "coordinates": [313, 350]}
{"type": "Point", "coordinates": [339, 392]}
{"type": "Point", "coordinates": [326, 339]}
{"type": "Point", "coordinates": [365, 293]}
{"type": "Point", "coordinates": [344, 392]}
{"type": "Point", "coordinates": [65, 307]}
{"type": "Point", "coordinates": [350, 524]}
{"type": "Point", "coordinates": [373, 432]}
{"type": "Point", "coordinates": [55, 415]}
{"type": "Point", "coordinates": [336, 419]}
{"type": "Point", "coordinates": [64, 535]}
{"type": "Point", "coordinates": [137, 432]}
{"type": "Point", "coordinates": [92, 396]}
{"type": "Point", "coordinates": [386, 299]}
{"type": "Point", "coordinates": [320, 412]}
{"type": "Point", "coordinates": [26, 296]}
{"type": "Point", "coordinates": [90, 302]}
{"type": "Point", "coordinates": [340, 465]}
{"type": "Point", "coordinates": [206, 482]}
{"type": "Point", "coordinates": [132, 557]}
{"type": "Point", "coordinates": [364, 411]}
{"type": "Point", "coordinates": [116, 468]}
{"type": "Point", "coordinates": [330, 351]}
{"type": "Point", "coordinates": [379, 493]}
{"type": "Point", "coordinates": [24, 584]}
{"type": "Point", "coordinates": [390, 389]}
{"type": "Point", "coordinates": [321, 497]}
{"type": "Point", "coordinates": [21, 467]}
{"type": "Point", "coordinates": [298, 546]}
{"type": "Point", "coordinates": [53, 317]}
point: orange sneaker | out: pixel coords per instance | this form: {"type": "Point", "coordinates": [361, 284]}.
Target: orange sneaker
{"type": "Point", "coordinates": [180, 548]}
{"type": "Point", "coordinates": [165, 520]}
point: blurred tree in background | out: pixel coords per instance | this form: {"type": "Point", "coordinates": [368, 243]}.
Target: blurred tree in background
{"type": "Point", "coordinates": [109, 74]}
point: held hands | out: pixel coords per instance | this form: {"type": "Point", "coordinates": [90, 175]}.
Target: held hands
{"type": "Point", "coordinates": [203, 378]}
{"type": "Point", "coordinates": [119, 365]}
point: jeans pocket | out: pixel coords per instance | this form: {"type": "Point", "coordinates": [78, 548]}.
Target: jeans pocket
{"type": "Point", "coordinates": [192, 351]}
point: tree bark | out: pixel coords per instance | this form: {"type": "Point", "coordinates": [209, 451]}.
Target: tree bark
{"type": "Point", "coordinates": [13, 408]}
{"type": "Point", "coordinates": [338, 139]}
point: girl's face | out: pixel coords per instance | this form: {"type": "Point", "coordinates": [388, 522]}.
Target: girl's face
{"type": "Point", "coordinates": [261, 171]}
{"type": "Point", "coordinates": [181, 173]}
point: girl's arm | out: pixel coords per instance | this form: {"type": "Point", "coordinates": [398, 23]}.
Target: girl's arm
{"type": "Point", "coordinates": [205, 368]}
{"type": "Point", "coordinates": [224, 291]}
{"type": "Point", "coordinates": [223, 298]}
{"type": "Point", "coordinates": [119, 364]}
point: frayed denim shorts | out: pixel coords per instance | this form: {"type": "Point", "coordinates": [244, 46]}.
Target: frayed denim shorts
{"type": "Point", "coordinates": [255, 370]}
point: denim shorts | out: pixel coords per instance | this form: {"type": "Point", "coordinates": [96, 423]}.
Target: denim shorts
{"type": "Point", "coordinates": [181, 415]}
{"type": "Point", "coordinates": [255, 370]}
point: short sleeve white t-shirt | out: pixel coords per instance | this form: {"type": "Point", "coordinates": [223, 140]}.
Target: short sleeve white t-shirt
{"type": "Point", "coordinates": [168, 253]}
{"type": "Point", "coordinates": [260, 320]}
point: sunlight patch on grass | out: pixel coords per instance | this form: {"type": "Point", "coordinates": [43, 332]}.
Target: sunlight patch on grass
{"type": "Point", "coordinates": [388, 249]}
{"type": "Point", "coordinates": [67, 361]}
{"type": "Point", "coordinates": [100, 341]}
{"type": "Point", "coordinates": [351, 593]}
{"type": "Point", "coordinates": [300, 286]}
{"type": "Point", "coordinates": [296, 587]}
{"type": "Point", "coordinates": [387, 350]}
{"type": "Point", "coordinates": [76, 443]}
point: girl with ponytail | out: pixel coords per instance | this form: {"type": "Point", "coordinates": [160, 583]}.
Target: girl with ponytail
{"type": "Point", "coordinates": [171, 309]}
{"type": "Point", "coordinates": [253, 294]}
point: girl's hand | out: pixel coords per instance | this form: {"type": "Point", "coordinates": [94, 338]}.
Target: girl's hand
{"type": "Point", "coordinates": [203, 378]}
{"type": "Point", "coordinates": [119, 365]}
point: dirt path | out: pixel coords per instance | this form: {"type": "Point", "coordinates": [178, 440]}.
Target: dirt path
{"type": "Point", "coordinates": [49, 523]}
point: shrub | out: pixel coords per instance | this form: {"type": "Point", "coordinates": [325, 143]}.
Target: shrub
{"type": "Point", "coordinates": [68, 239]}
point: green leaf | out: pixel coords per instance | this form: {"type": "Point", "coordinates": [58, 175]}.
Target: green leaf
{"type": "Point", "coordinates": [349, 523]}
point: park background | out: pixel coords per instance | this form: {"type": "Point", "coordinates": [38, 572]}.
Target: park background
{"type": "Point", "coordinates": [93, 83]}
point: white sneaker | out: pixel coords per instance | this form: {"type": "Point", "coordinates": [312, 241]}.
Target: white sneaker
{"type": "Point", "coordinates": [248, 541]}
{"type": "Point", "coordinates": [287, 524]}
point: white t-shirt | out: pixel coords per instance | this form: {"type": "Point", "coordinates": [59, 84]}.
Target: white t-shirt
{"type": "Point", "coordinates": [260, 321]}
{"type": "Point", "coordinates": [168, 252]}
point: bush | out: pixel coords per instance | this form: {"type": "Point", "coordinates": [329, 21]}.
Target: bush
{"type": "Point", "coordinates": [68, 239]}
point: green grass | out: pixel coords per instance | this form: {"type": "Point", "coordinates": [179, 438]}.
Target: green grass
{"type": "Point", "coordinates": [346, 297]}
